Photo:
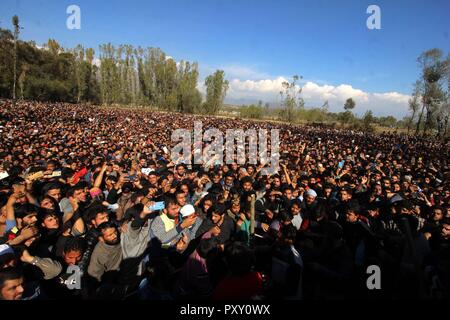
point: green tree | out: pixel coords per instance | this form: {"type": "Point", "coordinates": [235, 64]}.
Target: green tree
{"type": "Point", "coordinates": [367, 121]}
{"type": "Point", "coordinates": [6, 63]}
{"type": "Point", "coordinates": [216, 89]}
{"type": "Point", "coordinates": [252, 111]}
{"type": "Point", "coordinates": [15, 22]}
{"type": "Point", "coordinates": [189, 98]}
{"type": "Point", "coordinates": [434, 71]}
{"type": "Point", "coordinates": [290, 99]}
{"type": "Point", "coordinates": [349, 104]}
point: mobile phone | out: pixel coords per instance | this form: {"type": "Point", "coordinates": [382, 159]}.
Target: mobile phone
{"type": "Point", "coordinates": [157, 206]}
{"type": "Point", "coordinates": [341, 164]}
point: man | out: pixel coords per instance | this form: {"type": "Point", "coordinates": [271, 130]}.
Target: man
{"type": "Point", "coordinates": [229, 182]}
{"type": "Point", "coordinates": [432, 226]}
{"type": "Point", "coordinates": [72, 254]}
{"type": "Point", "coordinates": [218, 223]}
{"type": "Point", "coordinates": [167, 227]}
{"type": "Point", "coordinates": [180, 172]}
{"type": "Point", "coordinates": [356, 229]}
{"type": "Point", "coordinates": [95, 215]}
{"type": "Point", "coordinates": [289, 264]}
{"type": "Point", "coordinates": [19, 216]}
{"type": "Point", "coordinates": [181, 198]}
{"type": "Point", "coordinates": [75, 199]}
{"type": "Point", "coordinates": [153, 180]}
{"type": "Point", "coordinates": [107, 254]}
{"type": "Point", "coordinates": [296, 214]}
{"type": "Point", "coordinates": [308, 205]}
{"type": "Point", "coordinates": [136, 236]}
{"type": "Point", "coordinates": [235, 210]}
{"type": "Point", "coordinates": [53, 190]}
{"type": "Point", "coordinates": [11, 284]}
{"type": "Point", "coordinates": [224, 223]}
{"type": "Point", "coordinates": [345, 196]}
{"type": "Point", "coordinates": [125, 200]}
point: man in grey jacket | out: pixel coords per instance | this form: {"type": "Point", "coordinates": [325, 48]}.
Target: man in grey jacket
{"type": "Point", "coordinates": [107, 255]}
{"type": "Point", "coordinates": [135, 235]}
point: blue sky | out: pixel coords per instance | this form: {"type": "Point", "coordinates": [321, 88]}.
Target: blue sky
{"type": "Point", "coordinates": [259, 43]}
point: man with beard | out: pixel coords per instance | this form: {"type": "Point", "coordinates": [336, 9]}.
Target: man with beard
{"type": "Point", "coordinates": [11, 284]}
{"type": "Point", "coordinates": [107, 254]}
{"type": "Point", "coordinates": [307, 208]}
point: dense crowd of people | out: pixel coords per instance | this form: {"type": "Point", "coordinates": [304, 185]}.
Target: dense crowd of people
{"type": "Point", "coordinates": [93, 207]}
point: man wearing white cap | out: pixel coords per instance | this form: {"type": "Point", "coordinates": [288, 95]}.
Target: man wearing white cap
{"type": "Point", "coordinates": [310, 196]}
{"type": "Point", "coordinates": [186, 211]}
{"type": "Point", "coordinates": [309, 203]}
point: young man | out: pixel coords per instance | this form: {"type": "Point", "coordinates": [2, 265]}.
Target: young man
{"type": "Point", "coordinates": [217, 218]}
{"type": "Point", "coordinates": [107, 254]}
{"type": "Point", "coordinates": [296, 214]}
{"type": "Point", "coordinates": [72, 253]}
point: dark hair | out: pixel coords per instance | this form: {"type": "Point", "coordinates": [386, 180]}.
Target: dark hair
{"type": "Point", "coordinates": [106, 225]}
{"type": "Point", "coordinates": [247, 179]}
{"type": "Point", "coordinates": [75, 244]}
{"type": "Point", "coordinates": [179, 191]}
{"type": "Point", "coordinates": [94, 209]}
{"type": "Point", "coordinates": [72, 190]}
{"type": "Point", "coordinates": [3, 199]}
{"type": "Point", "coordinates": [43, 213]}
{"type": "Point", "coordinates": [170, 200]}
{"type": "Point", "coordinates": [239, 258]}
{"type": "Point", "coordinates": [297, 202]}
{"type": "Point", "coordinates": [353, 206]}
{"type": "Point", "coordinates": [51, 186]}
{"type": "Point", "coordinates": [347, 189]}
{"type": "Point", "coordinates": [205, 246]}
{"type": "Point", "coordinates": [288, 232]}
{"type": "Point", "coordinates": [208, 197]}
{"type": "Point", "coordinates": [283, 216]}
{"type": "Point", "coordinates": [215, 188]}
{"type": "Point", "coordinates": [25, 209]}
{"type": "Point", "coordinates": [9, 273]}
{"type": "Point", "coordinates": [133, 212]}
{"type": "Point", "coordinates": [217, 209]}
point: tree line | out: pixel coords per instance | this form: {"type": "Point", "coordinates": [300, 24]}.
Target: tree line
{"type": "Point", "coordinates": [128, 75]}
{"type": "Point", "coordinates": [121, 74]}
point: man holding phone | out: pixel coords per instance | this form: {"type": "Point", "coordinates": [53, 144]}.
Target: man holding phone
{"type": "Point", "coordinates": [167, 227]}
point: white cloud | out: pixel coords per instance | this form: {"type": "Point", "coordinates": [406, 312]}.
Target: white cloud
{"type": "Point", "coordinates": [388, 103]}
{"type": "Point", "coordinates": [248, 85]}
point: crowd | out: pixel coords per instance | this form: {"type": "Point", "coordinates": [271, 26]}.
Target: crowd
{"type": "Point", "coordinates": [93, 207]}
